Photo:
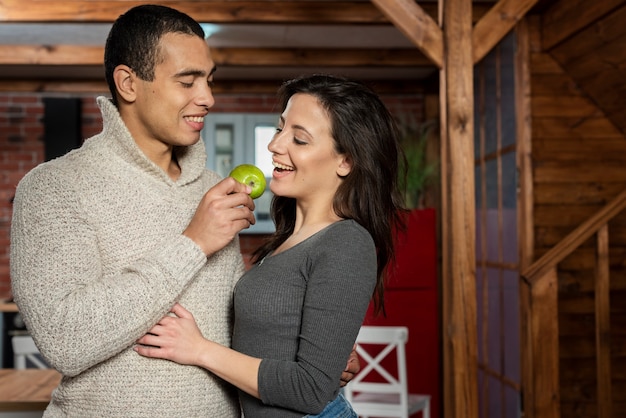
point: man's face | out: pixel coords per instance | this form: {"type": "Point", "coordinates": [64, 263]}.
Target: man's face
{"type": "Point", "coordinates": [170, 110]}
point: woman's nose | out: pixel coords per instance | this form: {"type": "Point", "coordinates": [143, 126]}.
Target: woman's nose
{"type": "Point", "coordinates": [276, 144]}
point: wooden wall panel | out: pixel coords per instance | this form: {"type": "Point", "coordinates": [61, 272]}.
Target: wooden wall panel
{"type": "Point", "coordinates": [568, 150]}
{"type": "Point", "coordinates": [595, 58]}
{"type": "Point", "coordinates": [552, 235]}
{"type": "Point", "coordinates": [583, 194]}
{"type": "Point", "coordinates": [570, 280]}
{"type": "Point", "coordinates": [570, 127]}
{"type": "Point", "coordinates": [578, 159]}
{"type": "Point", "coordinates": [584, 259]}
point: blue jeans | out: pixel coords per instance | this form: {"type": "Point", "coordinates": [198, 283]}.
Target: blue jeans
{"type": "Point", "coordinates": [339, 408]}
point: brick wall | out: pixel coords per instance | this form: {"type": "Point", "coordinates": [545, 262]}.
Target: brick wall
{"type": "Point", "coordinates": [22, 148]}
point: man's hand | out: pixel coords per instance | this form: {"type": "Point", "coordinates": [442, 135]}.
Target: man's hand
{"type": "Point", "coordinates": [352, 368]}
{"type": "Point", "coordinates": [223, 211]}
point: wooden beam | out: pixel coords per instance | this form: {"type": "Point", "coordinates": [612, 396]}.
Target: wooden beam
{"type": "Point", "coordinates": [544, 340]}
{"type": "Point", "coordinates": [416, 25]}
{"type": "Point", "coordinates": [603, 324]}
{"type": "Point", "coordinates": [458, 214]}
{"type": "Point", "coordinates": [315, 57]}
{"type": "Point", "coordinates": [496, 24]}
{"type": "Point", "coordinates": [567, 17]}
{"type": "Point", "coordinates": [214, 11]}
{"type": "Point", "coordinates": [525, 216]}
{"type": "Point", "coordinates": [51, 55]}
{"type": "Point", "coordinates": [284, 57]}
{"type": "Point", "coordinates": [574, 239]}
{"type": "Point", "coordinates": [203, 11]}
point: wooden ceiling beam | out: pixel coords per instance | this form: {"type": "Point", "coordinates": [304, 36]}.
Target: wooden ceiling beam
{"type": "Point", "coordinates": [203, 11]}
{"type": "Point", "coordinates": [314, 57]}
{"type": "Point", "coordinates": [270, 57]}
{"type": "Point", "coordinates": [496, 24]}
{"type": "Point", "coordinates": [51, 55]}
{"type": "Point", "coordinates": [567, 17]}
{"type": "Point", "coordinates": [417, 25]}
{"type": "Point", "coordinates": [338, 12]}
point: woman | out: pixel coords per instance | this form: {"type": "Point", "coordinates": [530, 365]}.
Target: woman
{"type": "Point", "coordinates": [299, 309]}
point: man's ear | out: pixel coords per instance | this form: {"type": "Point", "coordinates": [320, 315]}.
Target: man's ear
{"type": "Point", "coordinates": [345, 166]}
{"type": "Point", "coordinates": [124, 79]}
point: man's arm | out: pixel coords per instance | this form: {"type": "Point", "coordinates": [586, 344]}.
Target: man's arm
{"type": "Point", "coordinates": [80, 308]}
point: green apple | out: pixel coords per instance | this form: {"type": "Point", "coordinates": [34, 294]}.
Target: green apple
{"type": "Point", "coordinates": [252, 176]}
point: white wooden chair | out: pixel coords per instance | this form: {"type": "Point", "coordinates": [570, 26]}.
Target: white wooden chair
{"type": "Point", "coordinates": [390, 398]}
{"type": "Point", "coordinates": [25, 352]}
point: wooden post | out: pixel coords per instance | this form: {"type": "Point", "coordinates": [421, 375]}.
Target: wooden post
{"type": "Point", "coordinates": [458, 213]}
{"type": "Point", "coordinates": [544, 337]}
{"type": "Point", "coordinates": [603, 321]}
{"type": "Point", "coordinates": [525, 219]}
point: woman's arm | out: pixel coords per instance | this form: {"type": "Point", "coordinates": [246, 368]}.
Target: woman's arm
{"type": "Point", "coordinates": [178, 338]}
{"type": "Point", "coordinates": [339, 289]}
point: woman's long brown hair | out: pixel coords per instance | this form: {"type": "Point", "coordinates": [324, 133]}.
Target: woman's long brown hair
{"type": "Point", "coordinates": [365, 131]}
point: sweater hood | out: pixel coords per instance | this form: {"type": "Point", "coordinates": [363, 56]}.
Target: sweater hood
{"type": "Point", "coordinates": [192, 159]}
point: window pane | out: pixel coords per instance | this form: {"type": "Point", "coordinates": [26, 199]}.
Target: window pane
{"type": "Point", "coordinates": [223, 149]}
{"type": "Point", "coordinates": [263, 134]}
{"type": "Point", "coordinates": [262, 157]}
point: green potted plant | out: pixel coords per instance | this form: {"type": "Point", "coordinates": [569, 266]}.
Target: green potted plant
{"type": "Point", "coordinates": [421, 171]}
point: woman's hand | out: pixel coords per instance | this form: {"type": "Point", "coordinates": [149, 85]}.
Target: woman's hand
{"type": "Point", "coordinates": [352, 368]}
{"type": "Point", "coordinates": [176, 338]}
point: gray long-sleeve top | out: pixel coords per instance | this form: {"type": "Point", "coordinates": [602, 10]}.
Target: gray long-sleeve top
{"type": "Point", "coordinates": [300, 311]}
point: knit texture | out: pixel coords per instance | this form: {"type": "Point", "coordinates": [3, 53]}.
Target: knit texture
{"type": "Point", "coordinates": [98, 257]}
{"type": "Point", "coordinates": [300, 311]}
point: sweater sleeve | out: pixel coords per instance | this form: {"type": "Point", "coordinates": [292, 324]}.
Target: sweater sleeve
{"type": "Point", "coordinates": [76, 315]}
{"type": "Point", "coordinates": [340, 284]}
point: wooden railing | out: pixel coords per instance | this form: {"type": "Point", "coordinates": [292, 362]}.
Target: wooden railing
{"type": "Point", "coordinates": [540, 327]}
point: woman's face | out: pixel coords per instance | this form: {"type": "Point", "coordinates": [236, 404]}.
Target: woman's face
{"type": "Point", "coordinates": [307, 167]}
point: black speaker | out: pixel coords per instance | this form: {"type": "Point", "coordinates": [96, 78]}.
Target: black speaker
{"type": "Point", "coordinates": [62, 125]}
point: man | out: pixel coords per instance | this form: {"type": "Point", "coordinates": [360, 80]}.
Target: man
{"type": "Point", "coordinates": [108, 237]}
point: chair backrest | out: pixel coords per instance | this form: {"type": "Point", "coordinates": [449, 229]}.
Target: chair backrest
{"type": "Point", "coordinates": [25, 352]}
{"type": "Point", "coordinates": [377, 345]}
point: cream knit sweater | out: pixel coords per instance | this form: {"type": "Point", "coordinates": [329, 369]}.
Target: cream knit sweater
{"type": "Point", "coordinates": [97, 258]}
